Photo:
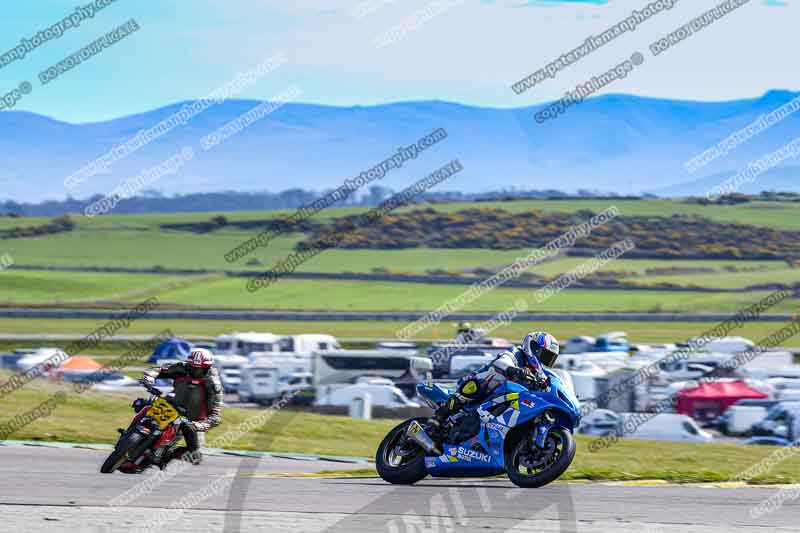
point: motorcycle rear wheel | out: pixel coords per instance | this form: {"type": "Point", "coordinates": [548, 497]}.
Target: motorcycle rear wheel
{"type": "Point", "coordinates": [559, 455]}
{"type": "Point", "coordinates": [120, 454]}
{"type": "Point", "coordinates": [410, 469]}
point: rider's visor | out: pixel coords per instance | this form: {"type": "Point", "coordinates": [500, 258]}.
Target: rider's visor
{"type": "Point", "coordinates": [546, 357]}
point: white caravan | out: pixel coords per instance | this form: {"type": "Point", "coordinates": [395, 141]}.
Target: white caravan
{"type": "Point", "coordinates": [56, 356]}
{"type": "Point", "coordinates": [231, 353]}
{"type": "Point", "coordinates": [584, 376]}
{"type": "Point", "coordinates": [405, 369]}
{"type": "Point", "coordinates": [288, 354]}
{"type": "Point", "coordinates": [380, 395]}
{"type": "Point", "coordinates": [264, 384]}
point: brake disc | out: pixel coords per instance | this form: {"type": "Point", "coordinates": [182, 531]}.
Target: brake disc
{"type": "Point", "coordinates": [535, 457]}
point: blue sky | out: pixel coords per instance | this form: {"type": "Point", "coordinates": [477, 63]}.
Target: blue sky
{"type": "Point", "coordinates": [471, 52]}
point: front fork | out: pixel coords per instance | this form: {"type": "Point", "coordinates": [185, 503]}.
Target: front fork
{"type": "Point", "coordinates": [544, 423]}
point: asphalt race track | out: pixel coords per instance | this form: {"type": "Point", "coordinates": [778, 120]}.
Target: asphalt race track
{"type": "Point", "coordinates": [61, 490]}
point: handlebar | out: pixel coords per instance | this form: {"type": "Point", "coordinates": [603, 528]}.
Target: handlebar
{"type": "Point", "coordinates": [159, 393]}
{"type": "Point", "coordinates": [154, 391]}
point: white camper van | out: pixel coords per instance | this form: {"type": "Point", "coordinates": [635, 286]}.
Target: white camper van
{"type": "Point", "coordinates": [668, 426]}
{"type": "Point", "coordinates": [695, 367]}
{"type": "Point", "coordinates": [740, 419]}
{"type": "Point", "coordinates": [730, 345]}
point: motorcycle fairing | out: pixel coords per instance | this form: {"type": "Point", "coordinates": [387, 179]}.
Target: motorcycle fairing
{"type": "Point", "coordinates": [165, 439]}
{"type": "Point", "coordinates": [512, 405]}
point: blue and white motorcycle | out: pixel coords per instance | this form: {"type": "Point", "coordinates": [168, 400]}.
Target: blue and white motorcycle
{"type": "Point", "coordinates": [522, 432]}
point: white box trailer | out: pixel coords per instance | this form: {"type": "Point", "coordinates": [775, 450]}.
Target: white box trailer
{"type": "Point", "coordinates": [405, 369]}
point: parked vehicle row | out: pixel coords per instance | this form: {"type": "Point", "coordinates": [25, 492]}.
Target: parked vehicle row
{"type": "Point", "coordinates": [753, 399]}
{"type": "Point", "coordinates": [263, 367]}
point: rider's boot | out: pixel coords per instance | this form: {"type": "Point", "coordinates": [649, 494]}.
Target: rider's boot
{"type": "Point", "coordinates": [182, 454]}
{"type": "Point", "coordinates": [445, 411]}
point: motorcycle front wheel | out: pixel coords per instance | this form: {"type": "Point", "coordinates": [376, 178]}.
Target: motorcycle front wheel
{"type": "Point", "coordinates": [121, 452]}
{"type": "Point", "coordinates": [399, 462]}
{"type": "Point", "coordinates": [530, 467]}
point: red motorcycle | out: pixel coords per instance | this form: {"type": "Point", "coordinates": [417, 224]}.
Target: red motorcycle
{"type": "Point", "coordinates": [152, 433]}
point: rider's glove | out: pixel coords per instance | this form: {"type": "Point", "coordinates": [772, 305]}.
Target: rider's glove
{"type": "Point", "coordinates": [526, 375]}
{"type": "Point", "coordinates": [196, 426]}
{"type": "Point", "coordinates": [540, 381]}
{"type": "Point", "coordinates": [147, 381]}
{"type": "Point", "coordinates": [515, 374]}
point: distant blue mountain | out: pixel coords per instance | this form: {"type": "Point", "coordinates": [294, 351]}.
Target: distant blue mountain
{"type": "Point", "coordinates": [614, 143]}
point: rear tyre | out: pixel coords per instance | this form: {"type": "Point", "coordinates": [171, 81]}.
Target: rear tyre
{"type": "Point", "coordinates": [530, 467]}
{"type": "Point", "coordinates": [404, 468]}
{"type": "Point", "coordinates": [121, 453]}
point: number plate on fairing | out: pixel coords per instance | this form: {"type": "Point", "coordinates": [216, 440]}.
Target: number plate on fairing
{"type": "Point", "coordinates": [163, 413]}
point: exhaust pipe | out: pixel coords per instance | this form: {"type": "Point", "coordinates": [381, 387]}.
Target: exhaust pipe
{"type": "Point", "coordinates": [416, 433]}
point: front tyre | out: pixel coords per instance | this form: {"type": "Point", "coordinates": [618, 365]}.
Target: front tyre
{"type": "Point", "coordinates": [530, 467]}
{"type": "Point", "coordinates": [398, 461]}
{"type": "Point", "coordinates": [121, 453]}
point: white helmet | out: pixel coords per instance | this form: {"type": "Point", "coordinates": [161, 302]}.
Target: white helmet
{"type": "Point", "coordinates": [541, 346]}
{"type": "Point", "coordinates": [200, 361]}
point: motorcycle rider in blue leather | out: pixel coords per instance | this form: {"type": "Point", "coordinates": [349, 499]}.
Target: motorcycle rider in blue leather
{"type": "Point", "coordinates": [521, 364]}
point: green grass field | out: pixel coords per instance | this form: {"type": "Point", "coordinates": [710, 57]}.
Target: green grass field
{"type": "Point", "coordinates": [149, 248]}
{"type": "Point", "coordinates": [729, 280]}
{"type": "Point", "coordinates": [92, 418]}
{"type": "Point", "coordinates": [53, 287]}
{"type": "Point", "coordinates": [139, 249]}
{"type": "Point", "coordinates": [41, 287]}
{"type": "Point", "coordinates": [639, 332]}
{"type": "Point", "coordinates": [137, 241]}
{"type": "Point", "coordinates": [69, 287]}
